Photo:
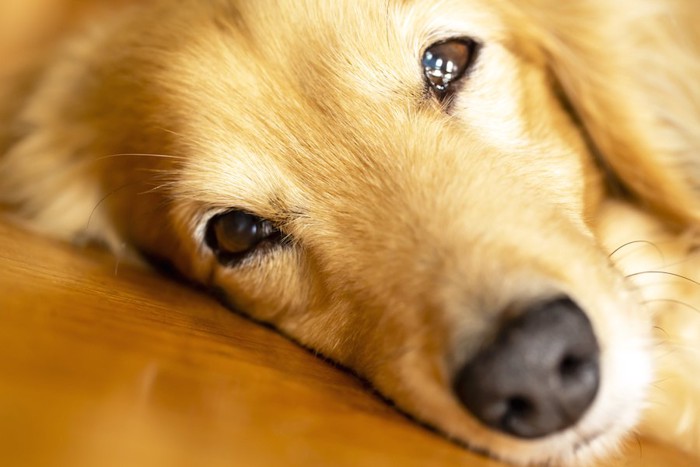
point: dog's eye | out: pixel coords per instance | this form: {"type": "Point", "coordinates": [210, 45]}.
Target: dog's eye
{"type": "Point", "coordinates": [446, 62]}
{"type": "Point", "coordinates": [234, 234]}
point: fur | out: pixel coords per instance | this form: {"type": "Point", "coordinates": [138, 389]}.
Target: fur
{"type": "Point", "coordinates": [567, 162]}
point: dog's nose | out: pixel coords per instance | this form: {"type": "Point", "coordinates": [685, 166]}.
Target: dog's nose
{"type": "Point", "coordinates": [538, 376]}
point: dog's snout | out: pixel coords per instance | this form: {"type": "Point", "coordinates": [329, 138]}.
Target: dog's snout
{"type": "Point", "coordinates": [538, 376]}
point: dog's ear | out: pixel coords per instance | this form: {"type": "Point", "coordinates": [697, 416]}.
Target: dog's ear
{"type": "Point", "coordinates": [628, 72]}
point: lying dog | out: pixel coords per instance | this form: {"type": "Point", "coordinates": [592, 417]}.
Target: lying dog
{"type": "Point", "coordinates": [486, 208]}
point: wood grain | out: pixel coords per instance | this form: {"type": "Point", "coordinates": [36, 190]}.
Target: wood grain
{"type": "Point", "coordinates": [110, 365]}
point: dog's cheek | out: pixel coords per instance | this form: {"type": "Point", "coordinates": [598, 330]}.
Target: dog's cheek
{"type": "Point", "coordinates": [510, 102]}
{"type": "Point", "coordinates": [284, 289]}
{"type": "Point", "coordinates": [281, 289]}
{"type": "Point", "coordinates": [271, 287]}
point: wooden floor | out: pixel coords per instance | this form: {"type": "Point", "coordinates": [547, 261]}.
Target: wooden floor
{"type": "Point", "coordinates": [106, 366]}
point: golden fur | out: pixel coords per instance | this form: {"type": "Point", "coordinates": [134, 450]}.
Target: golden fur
{"type": "Point", "coordinates": [569, 161]}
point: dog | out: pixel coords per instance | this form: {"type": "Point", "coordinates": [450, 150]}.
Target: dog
{"type": "Point", "coordinates": [487, 209]}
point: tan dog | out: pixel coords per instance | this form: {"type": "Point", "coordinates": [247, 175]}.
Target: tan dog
{"type": "Point", "coordinates": [483, 207]}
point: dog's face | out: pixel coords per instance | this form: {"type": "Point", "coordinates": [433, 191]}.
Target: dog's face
{"type": "Point", "coordinates": [398, 185]}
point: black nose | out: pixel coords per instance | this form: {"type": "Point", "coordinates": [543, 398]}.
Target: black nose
{"type": "Point", "coordinates": [538, 376]}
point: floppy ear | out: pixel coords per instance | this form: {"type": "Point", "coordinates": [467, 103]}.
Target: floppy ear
{"type": "Point", "coordinates": [630, 72]}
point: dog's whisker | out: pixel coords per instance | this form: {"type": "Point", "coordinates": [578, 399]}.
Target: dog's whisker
{"type": "Point", "coordinates": [672, 301]}
{"type": "Point", "coordinates": [666, 273]}
{"type": "Point", "coordinates": [119, 255]}
{"type": "Point", "coordinates": [103, 199]}
{"type": "Point", "coordinates": [680, 262]}
{"type": "Point", "coordinates": [659, 328]}
{"type": "Point", "coordinates": [115, 191]}
{"type": "Point", "coordinates": [639, 443]}
{"type": "Point", "coordinates": [159, 172]}
{"type": "Point", "coordinates": [147, 155]}
{"type": "Point", "coordinates": [181, 136]}
{"type": "Point", "coordinates": [637, 242]}
{"type": "Point", "coordinates": [651, 285]}
{"type": "Point", "coordinates": [160, 187]}
{"type": "Point", "coordinates": [675, 347]}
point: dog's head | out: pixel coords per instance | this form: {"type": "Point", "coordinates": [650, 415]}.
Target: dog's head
{"type": "Point", "coordinates": [409, 188]}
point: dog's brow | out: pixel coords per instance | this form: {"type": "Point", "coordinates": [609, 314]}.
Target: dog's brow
{"type": "Point", "coordinates": [283, 212]}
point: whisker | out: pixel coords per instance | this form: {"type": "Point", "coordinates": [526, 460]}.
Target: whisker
{"type": "Point", "coordinates": [640, 287]}
{"type": "Point", "coordinates": [163, 203]}
{"type": "Point", "coordinates": [670, 300]}
{"type": "Point", "coordinates": [636, 242]}
{"type": "Point", "coordinates": [162, 186]}
{"type": "Point", "coordinates": [161, 172]}
{"type": "Point", "coordinates": [118, 257]}
{"type": "Point", "coordinates": [640, 449]}
{"type": "Point", "coordinates": [120, 188]}
{"type": "Point", "coordinates": [679, 262]}
{"type": "Point", "coordinates": [156, 156]}
{"type": "Point", "coordinates": [666, 273]}
{"type": "Point", "coordinates": [181, 136]}
{"type": "Point", "coordinates": [104, 198]}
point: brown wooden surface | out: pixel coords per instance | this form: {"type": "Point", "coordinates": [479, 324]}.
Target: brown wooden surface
{"type": "Point", "coordinates": [113, 367]}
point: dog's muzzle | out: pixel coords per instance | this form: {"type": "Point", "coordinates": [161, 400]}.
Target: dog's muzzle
{"type": "Point", "coordinates": [538, 376]}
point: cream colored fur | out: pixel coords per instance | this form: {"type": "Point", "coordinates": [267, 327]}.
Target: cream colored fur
{"type": "Point", "coordinates": [411, 228]}
{"type": "Point", "coordinates": [665, 269]}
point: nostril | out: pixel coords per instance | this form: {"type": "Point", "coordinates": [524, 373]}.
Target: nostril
{"type": "Point", "coordinates": [572, 368]}
{"type": "Point", "coordinates": [569, 367]}
{"type": "Point", "coordinates": [518, 407]}
{"type": "Point", "coordinates": [538, 376]}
